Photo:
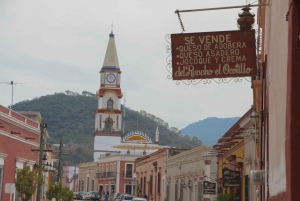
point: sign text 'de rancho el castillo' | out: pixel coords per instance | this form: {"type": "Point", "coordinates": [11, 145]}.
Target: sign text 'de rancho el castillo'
{"type": "Point", "coordinates": [213, 55]}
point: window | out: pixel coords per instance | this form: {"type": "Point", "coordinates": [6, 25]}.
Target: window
{"type": "Point", "coordinates": [115, 167]}
{"type": "Point", "coordinates": [108, 124]}
{"type": "Point", "coordinates": [150, 187]}
{"type": "Point", "coordinates": [111, 167]}
{"type": "Point", "coordinates": [200, 191]}
{"type": "Point", "coordinates": [181, 192]}
{"type": "Point", "coordinates": [144, 189]}
{"type": "Point", "coordinates": [93, 184]}
{"type": "Point", "coordinates": [168, 193]}
{"type": "Point", "coordinates": [107, 168]}
{"type": "Point", "coordinates": [117, 122]}
{"type": "Point", "coordinates": [1, 179]}
{"type": "Point", "coordinates": [87, 184]}
{"type": "Point", "coordinates": [82, 185]}
{"type": "Point", "coordinates": [128, 189]}
{"type": "Point", "coordinates": [247, 188]}
{"type": "Point", "coordinates": [100, 121]}
{"type": "Point", "coordinates": [110, 105]}
{"type": "Point", "coordinates": [158, 182]}
{"type": "Point", "coordinates": [141, 185]}
{"type": "Point", "coordinates": [176, 189]}
{"type": "Point", "coordinates": [128, 170]}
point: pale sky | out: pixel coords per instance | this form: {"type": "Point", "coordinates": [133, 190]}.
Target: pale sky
{"type": "Point", "coordinates": [58, 45]}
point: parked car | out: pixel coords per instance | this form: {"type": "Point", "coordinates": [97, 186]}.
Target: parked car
{"type": "Point", "coordinates": [126, 197]}
{"type": "Point", "coordinates": [74, 195]}
{"type": "Point", "coordinates": [93, 195]}
{"type": "Point", "coordinates": [139, 199]}
{"type": "Point", "coordinates": [79, 195]}
{"type": "Point", "coordinates": [116, 196]}
{"type": "Point", "coordinates": [86, 196]}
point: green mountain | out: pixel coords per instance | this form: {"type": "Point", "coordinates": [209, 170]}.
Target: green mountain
{"type": "Point", "coordinates": [71, 116]}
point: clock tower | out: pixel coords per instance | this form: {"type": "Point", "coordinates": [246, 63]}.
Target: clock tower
{"type": "Point", "coordinates": [108, 116]}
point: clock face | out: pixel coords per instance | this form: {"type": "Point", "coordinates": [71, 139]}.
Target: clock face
{"type": "Point", "coordinates": [110, 78]}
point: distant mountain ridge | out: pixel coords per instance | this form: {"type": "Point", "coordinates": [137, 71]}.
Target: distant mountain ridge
{"type": "Point", "coordinates": [210, 129]}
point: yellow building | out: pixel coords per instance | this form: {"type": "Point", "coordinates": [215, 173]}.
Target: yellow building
{"type": "Point", "coordinates": [236, 157]}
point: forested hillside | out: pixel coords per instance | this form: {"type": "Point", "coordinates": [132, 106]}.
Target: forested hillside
{"type": "Point", "coordinates": [71, 116]}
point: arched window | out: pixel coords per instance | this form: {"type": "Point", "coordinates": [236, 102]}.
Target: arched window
{"type": "Point", "coordinates": [108, 124]}
{"type": "Point", "coordinates": [110, 105]}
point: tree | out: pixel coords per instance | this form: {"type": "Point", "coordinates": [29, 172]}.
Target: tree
{"type": "Point", "coordinates": [187, 137]}
{"type": "Point", "coordinates": [225, 197]}
{"type": "Point", "coordinates": [196, 141]}
{"type": "Point", "coordinates": [59, 192]}
{"type": "Point", "coordinates": [26, 182]}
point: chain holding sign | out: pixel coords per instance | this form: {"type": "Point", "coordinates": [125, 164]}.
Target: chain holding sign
{"type": "Point", "coordinates": [223, 55]}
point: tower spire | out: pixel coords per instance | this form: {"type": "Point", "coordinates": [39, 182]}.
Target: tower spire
{"type": "Point", "coordinates": [156, 136]}
{"type": "Point", "coordinates": [111, 57]}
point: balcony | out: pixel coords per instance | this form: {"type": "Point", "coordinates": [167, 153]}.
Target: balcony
{"type": "Point", "coordinates": [127, 174]}
{"type": "Point", "coordinates": [103, 175]}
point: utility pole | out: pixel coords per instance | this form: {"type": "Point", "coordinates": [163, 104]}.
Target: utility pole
{"type": "Point", "coordinates": [59, 159]}
{"type": "Point", "coordinates": [42, 127]}
{"type": "Point", "coordinates": [60, 153]}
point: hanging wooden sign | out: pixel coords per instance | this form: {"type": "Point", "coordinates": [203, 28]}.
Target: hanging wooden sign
{"type": "Point", "coordinates": [213, 55]}
{"type": "Point", "coordinates": [209, 188]}
{"type": "Point", "coordinates": [231, 178]}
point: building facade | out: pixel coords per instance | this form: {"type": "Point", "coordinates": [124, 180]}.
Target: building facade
{"type": "Point", "coordinates": [187, 172]}
{"type": "Point", "coordinates": [276, 100]}
{"type": "Point", "coordinates": [151, 174]}
{"type": "Point", "coordinates": [70, 177]}
{"type": "Point", "coordinates": [236, 155]}
{"type": "Point", "coordinates": [19, 137]}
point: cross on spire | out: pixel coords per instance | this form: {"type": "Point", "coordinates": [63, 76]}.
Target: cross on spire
{"type": "Point", "coordinates": [112, 26]}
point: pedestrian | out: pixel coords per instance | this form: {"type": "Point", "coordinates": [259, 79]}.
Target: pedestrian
{"type": "Point", "coordinates": [111, 198]}
{"type": "Point", "coordinates": [145, 196]}
{"type": "Point", "coordinates": [100, 194]}
{"type": "Point", "coordinates": [106, 197]}
{"type": "Point", "coordinates": [103, 195]}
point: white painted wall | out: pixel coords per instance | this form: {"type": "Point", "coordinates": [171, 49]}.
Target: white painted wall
{"type": "Point", "coordinates": [276, 48]}
{"type": "Point", "coordinates": [191, 164]}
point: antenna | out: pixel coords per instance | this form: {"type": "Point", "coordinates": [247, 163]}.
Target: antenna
{"type": "Point", "coordinates": [124, 104]}
{"type": "Point", "coordinates": [123, 127]}
{"type": "Point", "coordinates": [12, 90]}
{"type": "Point", "coordinates": [137, 123]}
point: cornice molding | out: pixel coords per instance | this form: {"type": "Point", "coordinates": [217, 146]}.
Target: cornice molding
{"type": "Point", "coordinates": [18, 159]}
{"type": "Point", "coordinates": [19, 123]}
{"type": "Point", "coordinates": [3, 155]}
{"type": "Point", "coordinates": [199, 151]}
{"type": "Point", "coordinates": [30, 162]}
{"type": "Point", "coordinates": [19, 138]}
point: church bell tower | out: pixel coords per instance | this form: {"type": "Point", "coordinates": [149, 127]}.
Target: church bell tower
{"type": "Point", "coordinates": [108, 116]}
